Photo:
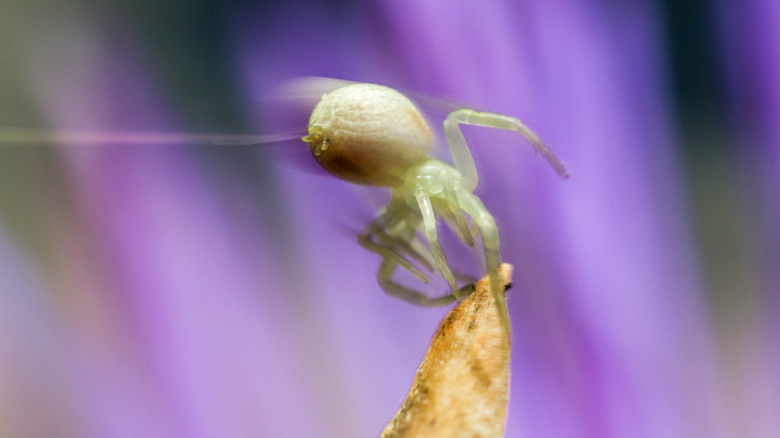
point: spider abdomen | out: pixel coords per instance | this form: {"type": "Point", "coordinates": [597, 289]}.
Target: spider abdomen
{"type": "Point", "coordinates": [368, 134]}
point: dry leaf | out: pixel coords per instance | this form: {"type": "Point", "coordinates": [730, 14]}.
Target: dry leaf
{"type": "Point", "coordinates": [461, 386]}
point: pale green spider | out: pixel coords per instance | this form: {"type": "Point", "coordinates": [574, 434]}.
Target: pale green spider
{"type": "Point", "coordinates": [373, 135]}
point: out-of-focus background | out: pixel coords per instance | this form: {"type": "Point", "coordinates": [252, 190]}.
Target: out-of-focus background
{"type": "Point", "coordinates": [211, 290]}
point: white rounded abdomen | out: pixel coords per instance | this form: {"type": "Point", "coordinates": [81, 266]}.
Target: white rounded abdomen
{"type": "Point", "coordinates": [368, 134]}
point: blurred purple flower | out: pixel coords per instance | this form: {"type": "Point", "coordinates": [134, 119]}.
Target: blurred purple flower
{"type": "Point", "coordinates": [750, 34]}
{"type": "Point", "coordinates": [611, 338]}
{"type": "Point", "coordinates": [192, 294]}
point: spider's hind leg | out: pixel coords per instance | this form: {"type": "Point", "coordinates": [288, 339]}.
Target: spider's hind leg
{"type": "Point", "coordinates": [417, 247]}
{"type": "Point", "coordinates": [385, 279]}
{"type": "Point", "coordinates": [389, 253]}
{"type": "Point", "coordinates": [392, 237]}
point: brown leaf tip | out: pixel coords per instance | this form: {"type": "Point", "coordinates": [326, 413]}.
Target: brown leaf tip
{"type": "Point", "coordinates": [461, 386]}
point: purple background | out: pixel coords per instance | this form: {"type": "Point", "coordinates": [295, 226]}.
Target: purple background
{"type": "Point", "coordinates": [202, 291]}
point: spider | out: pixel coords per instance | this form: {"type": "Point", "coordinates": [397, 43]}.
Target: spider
{"type": "Point", "coordinates": [373, 135]}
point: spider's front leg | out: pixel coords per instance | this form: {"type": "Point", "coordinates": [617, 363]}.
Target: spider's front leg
{"type": "Point", "coordinates": [461, 155]}
{"type": "Point", "coordinates": [429, 225]}
{"type": "Point", "coordinates": [473, 206]}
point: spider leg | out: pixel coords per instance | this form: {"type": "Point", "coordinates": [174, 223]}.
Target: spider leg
{"type": "Point", "coordinates": [461, 155]}
{"type": "Point", "coordinates": [418, 249]}
{"type": "Point", "coordinates": [460, 228]}
{"type": "Point", "coordinates": [385, 279]}
{"type": "Point", "coordinates": [429, 225]}
{"type": "Point", "coordinates": [388, 248]}
{"type": "Point", "coordinates": [413, 247]}
{"type": "Point", "coordinates": [386, 270]}
{"type": "Point", "coordinates": [394, 235]}
{"type": "Point", "coordinates": [472, 205]}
